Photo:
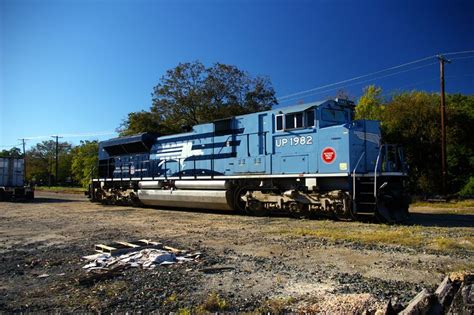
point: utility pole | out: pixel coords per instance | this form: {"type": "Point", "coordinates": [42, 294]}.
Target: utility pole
{"type": "Point", "coordinates": [23, 141]}
{"type": "Point", "coordinates": [57, 157]}
{"type": "Point", "coordinates": [442, 61]}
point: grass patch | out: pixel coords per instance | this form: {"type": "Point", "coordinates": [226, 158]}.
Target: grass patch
{"type": "Point", "coordinates": [184, 311]}
{"type": "Point", "coordinates": [395, 235]}
{"type": "Point", "coordinates": [212, 303]}
{"type": "Point", "coordinates": [417, 237]}
{"type": "Point", "coordinates": [463, 267]}
{"type": "Point", "coordinates": [449, 205]}
{"type": "Point", "coordinates": [171, 299]}
{"type": "Point", "coordinates": [446, 244]}
{"type": "Point", "coordinates": [59, 189]}
{"type": "Point", "coordinates": [276, 305]}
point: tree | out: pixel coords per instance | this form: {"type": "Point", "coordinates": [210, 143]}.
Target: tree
{"type": "Point", "coordinates": [191, 94]}
{"type": "Point", "coordinates": [370, 105]}
{"type": "Point", "coordinates": [84, 161]}
{"type": "Point", "coordinates": [460, 143]}
{"type": "Point", "coordinates": [13, 152]}
{"type": "Point", "coordinates": [41, 161]}
{"type": "Point", "coordinates": [412, 119]}
{"type": "Point", "coordinates": [344, 94]}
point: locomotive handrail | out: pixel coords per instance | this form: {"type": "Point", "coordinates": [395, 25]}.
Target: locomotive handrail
{"type": "Point", "coordinates": [353, 176]}
{"type": "Point", "coordinates": [375, 171]}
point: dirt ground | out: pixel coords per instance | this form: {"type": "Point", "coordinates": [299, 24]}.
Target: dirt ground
{"type": "Point", "coordinates": [273, 264]}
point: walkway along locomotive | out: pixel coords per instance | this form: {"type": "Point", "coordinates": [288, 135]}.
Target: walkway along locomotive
{"type": "Point", "coordinates": [303, 159]}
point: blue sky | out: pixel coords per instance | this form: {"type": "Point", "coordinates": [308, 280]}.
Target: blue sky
{"type": "Point", "coordinates": [78, 67]}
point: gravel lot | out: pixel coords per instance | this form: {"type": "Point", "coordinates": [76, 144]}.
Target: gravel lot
{"type": "Point", "coordinates": [272, 264]}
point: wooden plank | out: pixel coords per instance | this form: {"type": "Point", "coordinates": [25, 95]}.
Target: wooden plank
{"type": "Point", "coordinates": [172, 249]}
{"type": "Point", "coordinates": [127, 244]}
{"type": "Point", "coordinates": [104, 248]}
{"type": "Point", "coordinates": [148, 242]}
{"type": "Point", "coordinates": [120, 247]}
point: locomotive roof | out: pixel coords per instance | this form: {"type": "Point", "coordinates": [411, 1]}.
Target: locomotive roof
{"type": "Point", "coordinates": [303, 107]}
{"type": "Point", "coordinates": [146, 138]}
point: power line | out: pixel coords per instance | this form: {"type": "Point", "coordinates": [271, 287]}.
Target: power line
{"type": "Point", "coordinates": [459, 58]}
{"type": "Point", "coordinates": [426, 81]}
{"type": "Point", "coordinates": [361, 82]}
{"type": "Point", "coordinates": [286, 97]}
{"type": "Point", "coordinates": [9, 145]}
{"type": "Point", "coordinates": [358, 77]}
{"type": "Point", "coordinates": [458, 52]}
{"type": "Point", "coordinates": [104, 133]}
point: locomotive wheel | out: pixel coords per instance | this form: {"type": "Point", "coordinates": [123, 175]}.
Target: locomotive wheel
{"type": "Point", "coordinates": [297, 210]}
{"type": "Point", "coordinates": [255, 208]}
{"type": "Point", "coordinates": [238, 203]}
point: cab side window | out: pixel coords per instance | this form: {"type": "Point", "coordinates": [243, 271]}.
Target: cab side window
{"type": "Point", "coordinates": [279, 123]}
{"type": "Point", "coordinates": [294, 120]}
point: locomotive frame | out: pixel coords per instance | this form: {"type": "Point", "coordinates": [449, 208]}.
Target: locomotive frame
{"type": "Point", "coordinates": [306, 160]}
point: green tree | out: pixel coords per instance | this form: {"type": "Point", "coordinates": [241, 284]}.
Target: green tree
{"type": "Point", "coordinates": [84, 161]}
{"type": "Point", "coordinates": [191, 94]}
{"type": "Point", "coordinates": [370, 105]}
{"type": "Point", "coordinates": [41, 163]}
{"type": "Point", "coordinates": [412, 119]}
{"type": "Point", "coordinates": [459, 139]}
{"type": "Point", "coordinates": [13, 152]}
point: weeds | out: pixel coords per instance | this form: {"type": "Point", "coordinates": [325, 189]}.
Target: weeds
{"type": "Point", "coordinates": [443, 243]}
{"type": "Point", "coordinates": [212, 303]}
{"type": "Point", "coordinates": [375, 234]}
{"type": "Point", "coordinates": [184, 311]}
{"type": "Point", "coordinates": [59, 189]}
{"type": "Point", "coordinates": [463, 267]}
{"type": "Point", "coordinates": [276, 305]}
{"type": "Point", "coordinates": [456, 204]}
{"type": "Point", "coordinates": [171, 299]}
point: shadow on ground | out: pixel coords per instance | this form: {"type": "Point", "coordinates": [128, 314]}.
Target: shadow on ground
{"type": "Point", "coordinates": [441, 219]}
{"type": "Point", "coordinates": [51, 200]}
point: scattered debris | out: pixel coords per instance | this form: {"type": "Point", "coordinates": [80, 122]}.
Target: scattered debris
{"type": "Point", "coordinates": [143, 254]}
{"type": "Point", "coordinates": [423, 303]}
{"type": "Point", "coordinates": [454, 295]}
{"type": "Point", "coordinates": [120, 247]}
{"type": "Point", "coordinates": [145, 258]}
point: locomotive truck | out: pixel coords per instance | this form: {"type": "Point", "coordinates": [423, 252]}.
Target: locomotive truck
{"type": "Point", "coordinates": [304, 160]}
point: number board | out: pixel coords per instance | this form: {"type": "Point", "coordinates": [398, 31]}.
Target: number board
{"type": "Point", "coordinates": [294, 141]}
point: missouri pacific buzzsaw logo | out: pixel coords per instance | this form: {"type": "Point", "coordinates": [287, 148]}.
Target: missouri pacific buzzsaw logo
{"type": "Point", "coordinates": [328, 155]}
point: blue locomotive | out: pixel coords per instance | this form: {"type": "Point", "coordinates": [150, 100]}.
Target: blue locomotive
{"type": "Point", "coordinates": [311, 159]}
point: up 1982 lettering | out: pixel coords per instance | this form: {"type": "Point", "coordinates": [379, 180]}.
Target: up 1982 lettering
{"type": "Point", "coordinates": [303, 140]}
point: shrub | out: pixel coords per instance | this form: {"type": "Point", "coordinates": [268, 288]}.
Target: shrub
{"type": "Point", "coordinates": [468, 189]}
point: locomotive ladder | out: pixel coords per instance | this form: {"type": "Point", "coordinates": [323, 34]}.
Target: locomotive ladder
{"type": "Point", "coordinates": [365, 199]}
{"type": "Point", "coordinates": [365, 196]}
